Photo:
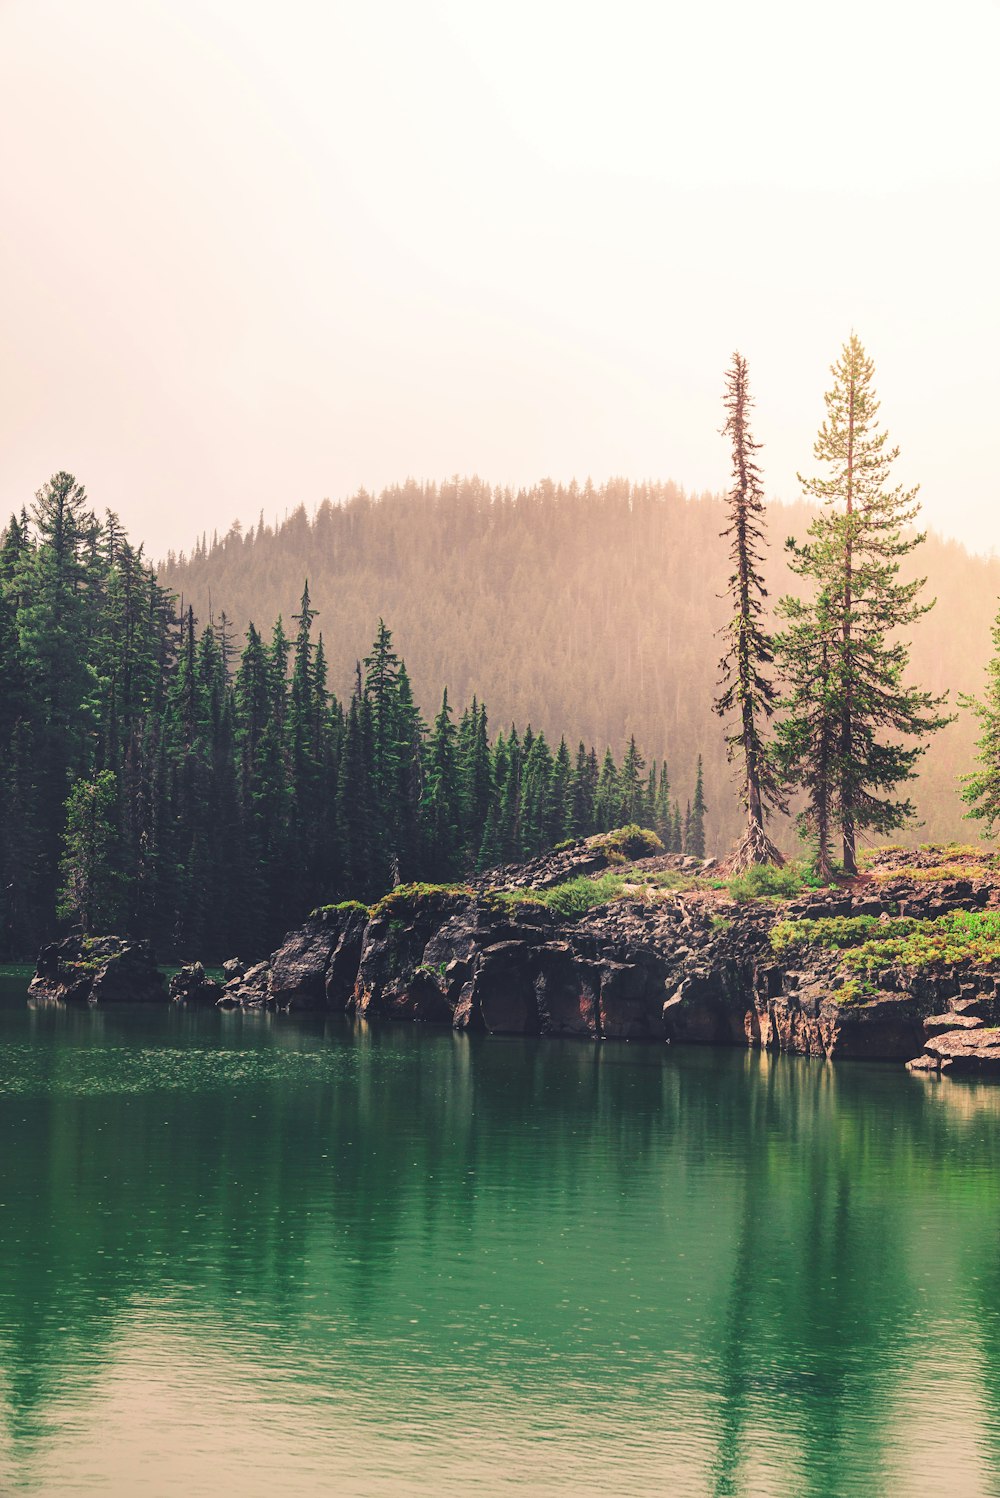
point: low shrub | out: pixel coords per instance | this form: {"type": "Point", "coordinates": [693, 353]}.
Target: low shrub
{"type": "Point", "coordinates": [837, 931]}
{"type": "Point", "coordinates": [340, 908]}
{"type": "Point", "coordinates": [569, 900]}
{"type": "Point", "coordinates": [623, 843]}
{"type": "Point", "coordinates": [766, 881]}
{"type": "Point", "coordinates": [407, 895]}
{"type": "Point", "coordinates": [869, 943]}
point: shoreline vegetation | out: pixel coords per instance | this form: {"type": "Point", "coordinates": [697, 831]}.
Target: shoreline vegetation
{"type": "Point", "coordinates": [612, 938]}
{"type": "Point", "coordinates": [157, 786]}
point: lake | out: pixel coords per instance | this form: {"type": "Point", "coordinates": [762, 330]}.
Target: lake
{"type": "Point", "coordinates": [273, 1255]}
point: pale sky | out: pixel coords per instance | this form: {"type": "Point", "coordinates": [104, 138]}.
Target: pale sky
{"type": "Point", "coordinates": [258, 252]}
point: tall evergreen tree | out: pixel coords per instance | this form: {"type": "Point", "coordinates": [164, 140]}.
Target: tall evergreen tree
{"type": "Point", "coordinates": [981, 788]}
{"type": "Point", "coordinates": [442, 805]}
{"type": "Point", "coordinates": [746, 686]}
{"type": "Point", "coordinates": [630, 786]}
{"type": "Point", "coordinates": [695, 840]}
{"type": "Point", "coordinates": [852, 558]}
{"type": "Point", "coordinates": [91, 879]}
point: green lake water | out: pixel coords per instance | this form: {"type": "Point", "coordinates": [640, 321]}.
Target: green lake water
{"type": "Point", "coordinates": [281, 1256]}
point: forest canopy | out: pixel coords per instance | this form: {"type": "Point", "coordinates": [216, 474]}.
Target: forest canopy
{"type": "Point", "coordinates": [595, 606]}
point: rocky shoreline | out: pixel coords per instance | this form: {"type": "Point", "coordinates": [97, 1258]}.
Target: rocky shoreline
{"type": "Point", "coordinates": [671, 959]}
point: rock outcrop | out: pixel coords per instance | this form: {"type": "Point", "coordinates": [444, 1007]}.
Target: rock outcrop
{"type": "Point", "coordinates": [681, 968]}
{"type": "Point", "coordinates": [191, 986]}
{"type": "Point", "coordinates": [657, 963]}
{"type": "Point", "coordinates": [97, 970]}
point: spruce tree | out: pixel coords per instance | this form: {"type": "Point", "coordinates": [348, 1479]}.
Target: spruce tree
{"type": "Point", "coordinates": [981, 788]}
{"type": "Point", "coordinates": [91, 879]}
{"type": "Point", "coordinates": [852, 559]}
{"type": "Point", "coordinates": [582, 793]}
{"type": "Point", "coordinates": [630, 786]}
{"type": "Point", "coordinates": [607, 799]}
{"type": "Point", "coordinates": [441, 798]}
{"type": "Point", "coordinates": [745, 681]}
{"type": "Point", "coordinates": [695, 839]}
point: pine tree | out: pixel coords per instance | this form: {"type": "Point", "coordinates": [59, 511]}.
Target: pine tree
{"type": "Point", "coordinates": [354, 811]}
{"type": "Point", "coordinates": [607, 799]}
{"type": "Point", "coordinates": [536, 811]}
{"type": "Point", "coordinates": [630, 786]}
{"type": "Point", "coordinates": [852, 558]}
{"type": "Point", "coordinates": [662, 816]}
{"type": "Point", "coordinates": [807, 734]}
{"type": "Point", "coordinates": [90, 888]}
{"type": "Point", "coordinates": [560, 824]}
{"type": "Point", "coordinates": [694, 841]}
{"type": "Point", "coordinates": [441, 798]}
{"type": "Point", "coordinates": [746, 686]}
{"type": "Point", "coordinates": [54, 624]}
{"type": "Point", "coordinates": [981, 789]}
{"type": "Point", "coordinates": [583, 792]}
{"type": "Point", "coordinates": [381, 687]}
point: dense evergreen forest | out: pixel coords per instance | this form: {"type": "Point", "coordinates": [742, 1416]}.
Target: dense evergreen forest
{"type": "Point", "coordinates": [596, 606]}
{"type": "Point", "coordinates": [161, 779]}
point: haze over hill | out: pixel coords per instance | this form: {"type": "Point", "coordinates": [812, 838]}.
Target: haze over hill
{"type": "Point", "coordinates": [590, 609]}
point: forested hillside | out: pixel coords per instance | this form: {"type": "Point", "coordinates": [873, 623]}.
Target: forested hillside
{"type": "Point", "coordinates": [169, 782]}
{"type": "Point", "coordinates": [589, 611]}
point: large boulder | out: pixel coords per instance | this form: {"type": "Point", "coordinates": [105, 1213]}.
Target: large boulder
{"type": "Point", "coordinates": [503, 990]}
{"type": "Point", "coordinates": [191, 986]}
{"type": "Point", "coordinates": [298, 968]}
{"type": "Point", "coordinates": [567, 990]}
{"type": "Point", "coordinates": [963, 1053]}
{"type": "Point", "coordinates": [98, 969]}
{"type": "Point", "coordinates": [248, 988]}
{"type": "Point", "coordinates": [348, 926]}
{"type": "Point", "coordinates": [393, 948]}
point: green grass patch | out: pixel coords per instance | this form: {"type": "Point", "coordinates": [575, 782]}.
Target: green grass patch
{"type": "Point", "coordinates": [936, 871]}
{"type": "Point", "coordinates": [839, 931]}
{"type": "Point", "coordinates": [969, 937]}
{"type": "Point", "coordinates": [342, 907]}
{"type": "Point", "coordinates": [569, 900]}
{"type": "Point", "coordinates": [407, 896]}
{"type": "Point", "coordinates": [767, 881]}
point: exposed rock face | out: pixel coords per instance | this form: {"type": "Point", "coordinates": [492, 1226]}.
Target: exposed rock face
{"type": "Point", "coordinates": [97, 970]}
{"type": "Point", "coordinates": [298, 968]}
{"type": "Point", "coordinates": [248, 988]}
{"type": "Point", "coordinates": [671, 968]}
{"type": "Point", "coordinates": [965, 1052]}
{"type": "Point", "coordinates": [190, 986]}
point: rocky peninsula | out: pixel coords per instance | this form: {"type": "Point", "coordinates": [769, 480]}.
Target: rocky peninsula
{"type": "Point", "coordinates": [611, 939]}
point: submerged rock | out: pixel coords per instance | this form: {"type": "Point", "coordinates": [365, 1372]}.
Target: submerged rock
{"type": "Point", "coordinates": [97, 969]}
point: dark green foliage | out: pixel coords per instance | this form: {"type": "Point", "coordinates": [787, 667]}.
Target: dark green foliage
{"type": "Point", "coordinates": [694, 840]}
{"type": "Point", "coordinates": [981, 789]}
{"type": "Point", "coordinates": [151, 781]}
{"type": "Point", "coordinates": [845, 650]}
{"type": "Point", "coordinates": [89, 868]}
{"type": "Point", "coordinates": [747, 690]}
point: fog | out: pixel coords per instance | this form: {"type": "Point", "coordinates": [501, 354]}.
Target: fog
{"type": "Point", "coordinates": [254, 255]}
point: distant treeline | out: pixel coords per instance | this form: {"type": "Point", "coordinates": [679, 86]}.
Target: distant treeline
{"type": "Point", "coordinates": [596, 606]}
{"type": "Point", "coordinates": [157, 780]}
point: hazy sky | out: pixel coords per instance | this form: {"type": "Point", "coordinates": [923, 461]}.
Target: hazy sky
{"type": "Point", "coordinates": [254, 254]}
